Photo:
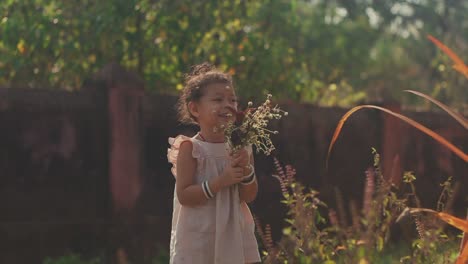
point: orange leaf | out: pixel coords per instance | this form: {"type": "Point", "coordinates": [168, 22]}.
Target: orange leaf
{"type": "Point", "coordinates": [464, 246]}
{"type": "Point", "coordinates": [463, 257]}
{"type": "Point", "coordinates": [454, 221]}
{"type": "Point", "coordinates": [450, 219]}
{"type": "Point", "coordinates": [446, 50]}
{"type": "Point", "coordinates": [459, 64]}
{"type": "Point", "coordinates": [454, 114]}
{"type": "Point", "coordinates": [338, 129]}
{"type": "Point", "coordinates": [415, 124]}
{"type": "Point", "coordinates": [462, 68]}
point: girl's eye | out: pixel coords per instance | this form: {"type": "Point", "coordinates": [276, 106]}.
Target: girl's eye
{"type": "Point", "coordinates": [234, 100]}
{"type": "Point", "coordinates": [217, 99]}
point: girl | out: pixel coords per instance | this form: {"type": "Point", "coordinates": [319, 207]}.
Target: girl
{"type": "Point", "coordinates": [211, 221]}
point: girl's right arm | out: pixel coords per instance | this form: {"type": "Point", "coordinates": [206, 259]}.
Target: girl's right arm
{"type": "Point", "coordinates": [189, 193]}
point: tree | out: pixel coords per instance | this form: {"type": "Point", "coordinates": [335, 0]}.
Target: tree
{"type": "Point", "coordinates": [324, 52]}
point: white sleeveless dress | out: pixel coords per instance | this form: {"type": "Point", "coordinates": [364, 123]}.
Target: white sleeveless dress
{"type": "Point", "coordinates": [222, 230]}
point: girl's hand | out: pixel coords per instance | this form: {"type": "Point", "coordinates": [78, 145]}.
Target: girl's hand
{"type": "Point", "coordinates": [234, 172]}
{"type": "Point", "coordinates": [231, 175]}
{"type": "Point", "coordinates": [240, 158]}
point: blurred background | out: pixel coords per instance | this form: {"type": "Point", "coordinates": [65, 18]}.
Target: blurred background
{"type": "Point", "coordinates": [87, 94]}
{"type": "Point", "coordinates": [322, 52]}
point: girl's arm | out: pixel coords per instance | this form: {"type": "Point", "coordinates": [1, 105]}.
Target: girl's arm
{"type": "Point", "coordinates": [189, 193]}
{"type": "Point", "coordinates": [247, 193]}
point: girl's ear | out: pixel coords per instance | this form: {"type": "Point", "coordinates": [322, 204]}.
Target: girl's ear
{"type": "Point", "coordinates": [193, 109]}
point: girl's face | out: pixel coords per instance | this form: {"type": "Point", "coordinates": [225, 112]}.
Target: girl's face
{"type": "Point", "coordinates": [215, 106]}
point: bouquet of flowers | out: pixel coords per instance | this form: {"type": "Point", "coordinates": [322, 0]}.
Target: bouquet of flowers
{"type": "Point", "coordinates": [250, 127]}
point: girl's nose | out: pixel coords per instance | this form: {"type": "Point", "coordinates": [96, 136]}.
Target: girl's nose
{"type": "Point", "coordinates": [231, 104]}
{"type": "Point", "coordinates": [228, 103]}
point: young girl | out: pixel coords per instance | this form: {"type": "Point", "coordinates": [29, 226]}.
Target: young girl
{"type": "Point", "coordinates": [211, 221]}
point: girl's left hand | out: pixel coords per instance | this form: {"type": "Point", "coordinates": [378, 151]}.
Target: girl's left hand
{"type": "Point", "coordinates": [240, 158]}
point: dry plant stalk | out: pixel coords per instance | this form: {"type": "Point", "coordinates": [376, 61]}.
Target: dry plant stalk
{"type": "Point", "coordinates": [410, 121]}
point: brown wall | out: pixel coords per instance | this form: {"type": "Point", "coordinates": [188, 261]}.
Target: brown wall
{"type": "Point", "coordinates": [87, 172]}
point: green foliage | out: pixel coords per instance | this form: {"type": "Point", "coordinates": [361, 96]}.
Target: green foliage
{"type": "Point", "coordinates": [325, 52]}
{"type": "Point", "coordinates": [434, 246]}
{"type": "Point", "coordinates": [409, 177]}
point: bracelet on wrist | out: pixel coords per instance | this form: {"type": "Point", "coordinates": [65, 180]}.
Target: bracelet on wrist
{"type": "Point", "coordinates": [206, 190]}
{"type": "Point", "coordinates": [252, 171]}
{"type": "Point", "coordinates": [249, 179]}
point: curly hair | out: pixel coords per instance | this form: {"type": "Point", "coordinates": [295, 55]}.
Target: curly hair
{"type": "Point", "coordinates": [196, 81]}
